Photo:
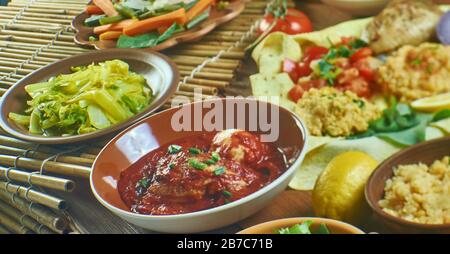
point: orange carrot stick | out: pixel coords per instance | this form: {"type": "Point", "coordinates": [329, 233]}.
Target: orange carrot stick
{"type": "Point", "coordinates": [106, 6]}
{"type": "Point", "coordinates": [93, 9]}
{"type": "Point", "coordinates": [198, 8]}
{"type": "Point", "coordinates": [150, 24]}
{"type": "Point", "coordinates": [113, 27]}
{"type": "Point", "coordinates": [110, 35]}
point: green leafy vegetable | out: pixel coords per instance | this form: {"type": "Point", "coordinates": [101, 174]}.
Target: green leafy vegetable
{"type": "Point", "coordinates": [197, 20]}
{"type": "Point", "coordinates": [84, 101]}
{"type": "Point", "coordinates": [303, 228]}
{"type": "Point", "coordinates": [173, 29]}
{"type": "Point", "coordinates": [140, 41]}
{"type": "Point", "coordinates": [401, 125]}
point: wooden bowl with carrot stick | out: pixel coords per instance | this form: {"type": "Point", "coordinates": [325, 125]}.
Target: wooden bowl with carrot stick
{"type": "Point", "coordinates": [152, 25]}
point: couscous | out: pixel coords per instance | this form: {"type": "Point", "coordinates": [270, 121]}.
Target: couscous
{"type": "Point", "coordinates": [419, 193]}
{"type": "Point", "coordinates": [328, 111]}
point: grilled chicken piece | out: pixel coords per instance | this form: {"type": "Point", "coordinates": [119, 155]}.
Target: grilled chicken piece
{"type": "Point", "coordinates": [402, 22]}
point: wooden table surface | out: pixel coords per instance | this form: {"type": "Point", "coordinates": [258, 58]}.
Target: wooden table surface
{"type": "Point", "coordinates": [290, 203]}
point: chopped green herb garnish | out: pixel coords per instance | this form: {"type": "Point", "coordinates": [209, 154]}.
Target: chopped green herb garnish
{"type": "Point", "coordinates": [210, 162]}
{"type": "Point", "coordinates": [193, 150]}
{"type": "Point", "coordinates": [416, 62]}
{"type": "Point", "coordinates": [227, 194]}
{"type": "Point", "coordinates": [215, 156]}
{"type": "Point", "coordinates": [171, 165]}
{"type": "Point", "coordinates": [143, 182]}
{"type": "Point", "coordinates": [197, 164]}
{"type": "Point", "coordinates": [219, 171]}
{"type": "Point", "coordinates": [360, 103]}
{"type": "Point", "coordinates": [173, 149]}
{"type": "Point", "coordinates": [357, 44]}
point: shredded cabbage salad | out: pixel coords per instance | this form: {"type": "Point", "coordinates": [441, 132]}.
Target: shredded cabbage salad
{"type": "Point", "coordinates": [93, 97]}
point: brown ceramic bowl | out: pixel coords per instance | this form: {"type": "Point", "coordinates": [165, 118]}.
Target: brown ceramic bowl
{"type": "Point", "coordinates": [216, 18]}
{"type": "Point", "coordinates": [335, 227]}
{"type": "Point", "coordinates": [154, 131]}
{"type": "Point", "coordinates": [427, 153]}
{"type": "Point", "coordinates": [160, 72]}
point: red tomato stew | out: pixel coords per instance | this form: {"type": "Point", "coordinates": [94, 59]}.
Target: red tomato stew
{"type": "Point", "coordinates": [200, 172]}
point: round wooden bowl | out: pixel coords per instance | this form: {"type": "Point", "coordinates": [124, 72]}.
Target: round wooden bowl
{"type": "Point", "coordinates": [427, 153]}
{"type": "Point", "coordinates": [335, 227]}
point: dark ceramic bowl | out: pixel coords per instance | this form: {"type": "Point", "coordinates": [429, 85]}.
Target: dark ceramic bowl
{"type": "Point", "coordinates": [427, 153]}
{"type": "Point", "coordinates": [160, 72]}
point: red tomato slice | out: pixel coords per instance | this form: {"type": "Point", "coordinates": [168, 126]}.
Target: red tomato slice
{"type": "Point", "coordinates": [303, 69]}
{"type": "Point", "coordinates": [296, 93]}
{"type": "Point", "coordinates": [364, 69]}
{"type": "Point", "coordinates": [361, 54]}
{"type": "Point", "coordinates": [314, 53]}
{"type": "Point", "coordinates": [290, 67]}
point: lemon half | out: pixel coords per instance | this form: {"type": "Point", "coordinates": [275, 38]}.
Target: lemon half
{"type": "Point", "coordinates": [433, 103]}
{"type": "Point", "coordinates": [339, 190]}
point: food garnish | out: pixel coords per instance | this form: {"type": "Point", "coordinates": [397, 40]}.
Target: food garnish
{"type": "Point", "coordinates": [419, 193]}
{"type": "Point", "coordinates": [303, 228]}
{"type": "Point", "coordinates": [339, 190]}
{"type": "Point", "coordinates": [163, 183]}
{"type": "Point", "coordinates": [91, 98]}
{"type": "Point", "coordinates": [433, 103]}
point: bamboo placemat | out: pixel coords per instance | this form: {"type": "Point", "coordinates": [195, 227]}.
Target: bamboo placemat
{"type": "Point", "coordinates": [35, 33]}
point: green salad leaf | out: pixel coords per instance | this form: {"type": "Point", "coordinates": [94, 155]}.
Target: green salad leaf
{"type": "Point", "coordinates": [140, 41]}
{"type": "Point", "coordinates": [303, 228]}
{"type": "Point", "coordinates": [401, 125]}
{"type": "Point", "coordinates": [91, 98]}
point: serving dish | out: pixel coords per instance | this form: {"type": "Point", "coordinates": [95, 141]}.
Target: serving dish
{"type": "Point", "coordinates": [426, 153]}
{"type": "Point", "coordinates": [335, 227]}
{"type": "Point", "coordinates": [216, 18]}
{"type": "Point", "coordinates": [152, 132]}
{"type": "Point", "coordinates": [358, 7]}
{"type": "Point", "coordinates": [159, 71]}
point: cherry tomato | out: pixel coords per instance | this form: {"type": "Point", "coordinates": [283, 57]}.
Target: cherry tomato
{"type": "Point", "coordinates": [291, 68]}
{"type": "Point", "coordinates": [303, 69]}
{"type": "Point", "coordinates": [294, 22]}
{"type": "Point", "coordinates": [296, 93]}
{"type": "Point", "coordinates": [361, 54]}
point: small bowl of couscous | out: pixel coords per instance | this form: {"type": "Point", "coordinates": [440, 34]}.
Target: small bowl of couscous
{"type": "Point", "coordinates": [410, 191]}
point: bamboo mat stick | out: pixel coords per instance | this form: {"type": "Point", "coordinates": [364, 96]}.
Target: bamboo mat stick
{"type": "Point", "coordinates": [42, 156]}
{"type": "Point", "coordinates": [24, 219]}
{"type": "Point", "coordinates": [13, 225]}
{"type": "Point", "coordinates": [50, 166]}
{"type": "Point", "coordinates": [45, 181]}
{"type": "Point", "coordinates": [205, 82]}
{"type": "Point", "coordinates": [35, 196]}
{"type": "Point", "coordinates": [4, 230]}
{"type": "Point", "coordinates": [206, 69]}
{"type": "Point", "coordinates": [2, 91]}
{"type": "Point", "coordinates": [205, 90]}
{"type": "Point", "coordinates": [40, 213]}
{"type": "Point", "coordinates": [212, 76]}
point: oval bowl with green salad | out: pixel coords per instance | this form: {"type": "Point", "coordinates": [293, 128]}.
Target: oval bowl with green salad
{"type": "Point", "coordinates": [87, 96]}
